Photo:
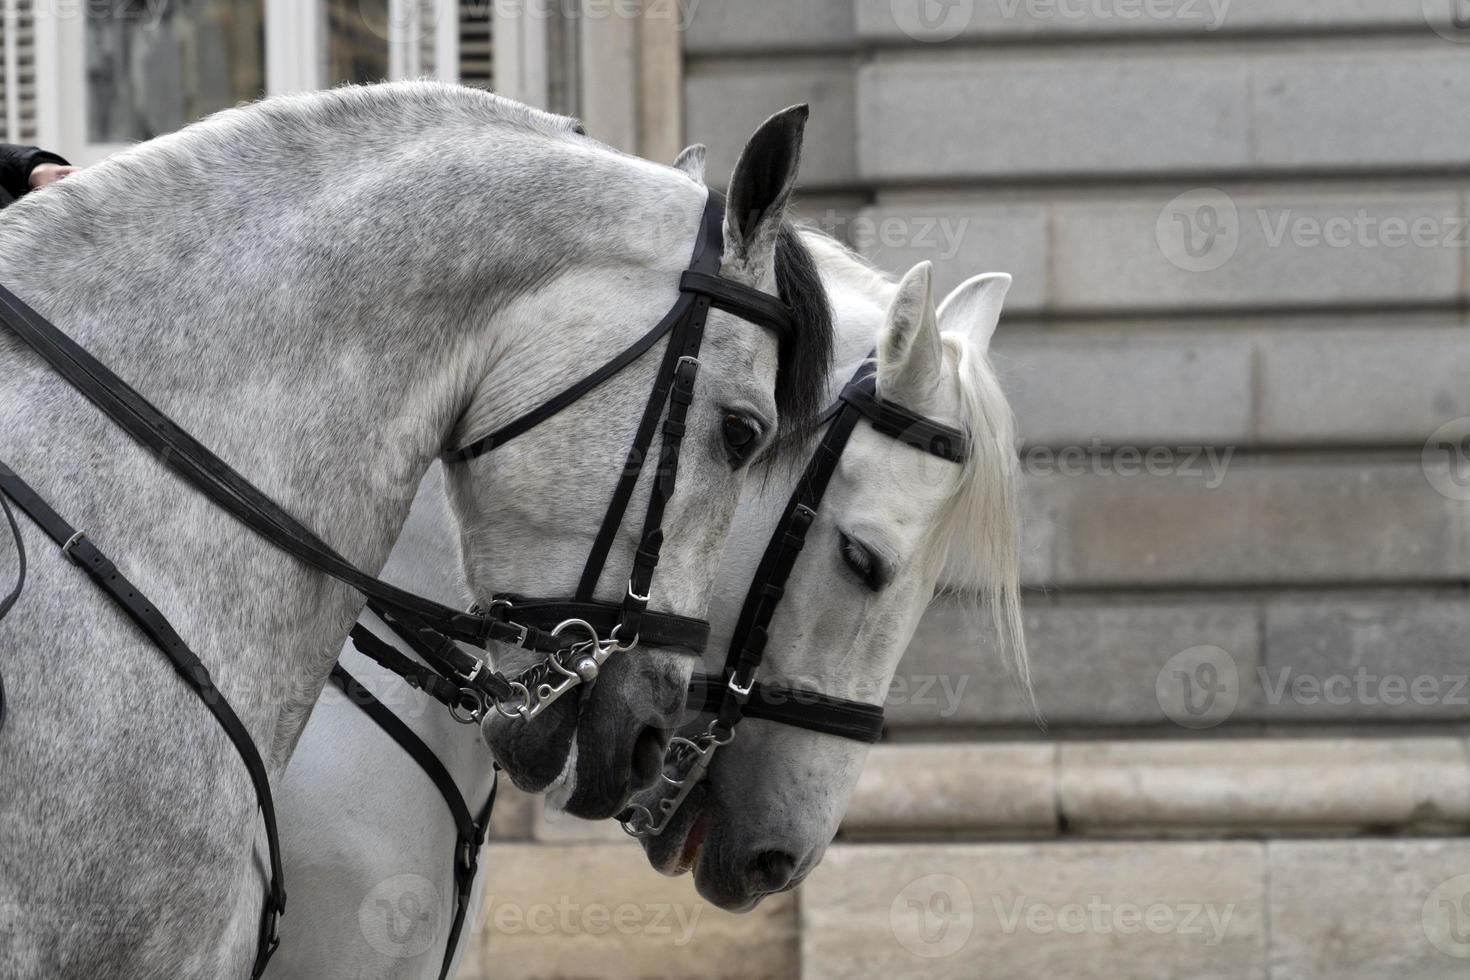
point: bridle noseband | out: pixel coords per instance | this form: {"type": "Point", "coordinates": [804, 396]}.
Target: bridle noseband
{"type": "Point", "coordinates": [738, 693]}
{"type": "Point", "coordinates": [577, 635]}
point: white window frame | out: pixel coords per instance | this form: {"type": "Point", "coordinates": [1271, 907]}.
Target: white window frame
{"type": "Point", "coordinates": [295, 61]}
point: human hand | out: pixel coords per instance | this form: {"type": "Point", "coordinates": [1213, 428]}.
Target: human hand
{"type": "Point", "coordinates": [50, 173]}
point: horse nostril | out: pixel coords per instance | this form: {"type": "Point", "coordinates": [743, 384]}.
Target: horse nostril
{"type": "Point", "coordinates": [648, 757]}
{"type": "Point", "coordinates": [771, 871]}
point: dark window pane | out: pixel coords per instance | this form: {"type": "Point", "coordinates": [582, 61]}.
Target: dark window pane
{"type": "Point", "coordinates": [357, 41]}
{"type": "Point", "coordinates": [152, 68]}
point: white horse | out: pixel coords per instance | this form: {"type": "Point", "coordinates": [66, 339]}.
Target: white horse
{"type": "Point", "coordinates": [329, 290]}
{"type": "Point", "coordinates": [893, 523]}
{"type": "Point", "coordinates": [380, 877]}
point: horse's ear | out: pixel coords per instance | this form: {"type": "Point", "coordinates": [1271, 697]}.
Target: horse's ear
{"type": "Point", "coordinates": [691, 161]}
{"type": "Point", "coordinates": [973, 309]}
{"type": "Point", "coordinates": [910, 354]}
{"type": "Point", "coordinates": [761, 186]}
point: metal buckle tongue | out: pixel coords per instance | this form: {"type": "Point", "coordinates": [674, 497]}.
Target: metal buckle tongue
{"type": "Point", "coordinates": [691, 758]}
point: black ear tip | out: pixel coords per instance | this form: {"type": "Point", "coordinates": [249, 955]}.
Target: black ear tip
{"type": "Point", "coordinates": [791, 119]}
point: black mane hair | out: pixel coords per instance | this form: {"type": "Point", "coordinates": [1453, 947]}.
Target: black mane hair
{"type": "Point", "coordinates": [806, 355]}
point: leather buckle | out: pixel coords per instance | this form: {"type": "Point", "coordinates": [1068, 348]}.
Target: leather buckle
{"type": "Point", "coordinates": [740, 692]}
{"type": "Point", "coordinates": [71, 543]}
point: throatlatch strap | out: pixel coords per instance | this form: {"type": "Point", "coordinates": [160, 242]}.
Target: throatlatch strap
{"type": "Point", "coordinates": [470, 830]}
{"type": "Point", "coordinates": [80, 549]}
{"type": "Point", "coordinates": [556, 405]}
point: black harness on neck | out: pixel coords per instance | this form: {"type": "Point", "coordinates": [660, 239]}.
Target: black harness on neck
{"type": "Point", "coordinates": [574, 647]}
{"type": "Point", "coordinates": [737, 693]}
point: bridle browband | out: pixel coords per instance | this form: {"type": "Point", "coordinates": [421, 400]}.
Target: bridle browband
{"type": "Point", "coordinates": [738, 694]}
{"type": "Point", "coordinates": [576, 635]}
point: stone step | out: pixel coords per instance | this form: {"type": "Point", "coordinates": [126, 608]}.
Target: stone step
{"type": "Point", "coordinates": [599, 910]}
{"type": "Point", "coordinates": [1182, 910]}
{"type": "Point", "coordinates": [1197, 788]}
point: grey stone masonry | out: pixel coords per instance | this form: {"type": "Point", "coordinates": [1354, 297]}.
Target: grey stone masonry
{"type": "Point", "coordinates": [1161, 113]}
{"type": "Point", "coordinates": [1185, 250]}
{"type": "Point", "coordinates": [1185, 519]}
{"type": "Point", "coordinates": [1290, 910]}
{"type": "Point", "coordinates": [726, 101]}
{"type": "Point", "coordinates": [1129, 660]}
{"type": "Point", "coordinates": [1280, 385]}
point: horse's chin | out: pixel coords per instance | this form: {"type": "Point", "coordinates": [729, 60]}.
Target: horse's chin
{"type": "Point", "coordinates": [535, 754]}
{"type": "Point", "coordinates": [677, 849]}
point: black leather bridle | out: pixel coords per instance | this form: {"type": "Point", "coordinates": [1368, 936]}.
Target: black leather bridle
{"type": "Point", "coordinates": [584, 636]}
{"type": "Point", "coordinates": [597, 629]}
{"type": "Point", "coordinates": [737, 693]}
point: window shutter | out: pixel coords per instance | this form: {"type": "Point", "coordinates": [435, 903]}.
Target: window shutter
{"type": "Point", "coordinates": [18, 74]}
{"type": "Point", "coordinates": [476, 44]}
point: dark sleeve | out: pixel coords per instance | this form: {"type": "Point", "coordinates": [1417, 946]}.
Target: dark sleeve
{"type": "Point", "coordinates": [16, 164]}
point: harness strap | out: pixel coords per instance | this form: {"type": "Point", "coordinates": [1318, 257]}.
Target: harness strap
{"type": "Point", "coordinates": [742, 694]}
{"type": "Point", "coordinates": [413, 673]}
{"type": "Point", "coordinates": [905, 425]}
{"type": "Point", "coordinates": [748, 304]}
{"type": "Point", "coordinates": [658, 629]}
{"type": "Point", "coordinates": [556, 405]}
{"type": "Point", "coordinates": [470, 829]}
{"type": "Point", "coordinates": [796, 707]}
{"type": "Point", "coordinates": [230, 491]}
{"type": "Point", "coordinates": [683, 342]}
{"type": "Point", "coordinates": [83, 552]}
{"type": "Point", "coordinates": [20, 582]}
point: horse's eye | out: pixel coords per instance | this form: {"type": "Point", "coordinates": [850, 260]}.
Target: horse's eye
{"type": "Point", "coordinates": [741, 436]}
{"type": "Point", "coordinates": [868, 567]}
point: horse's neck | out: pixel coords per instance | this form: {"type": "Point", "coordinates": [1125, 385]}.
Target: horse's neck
{"type": "Point", "coordinates": [327, 364]}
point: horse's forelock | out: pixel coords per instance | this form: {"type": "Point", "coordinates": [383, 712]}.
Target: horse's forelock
{"type": "Point", "coordinates": [806, 353]}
